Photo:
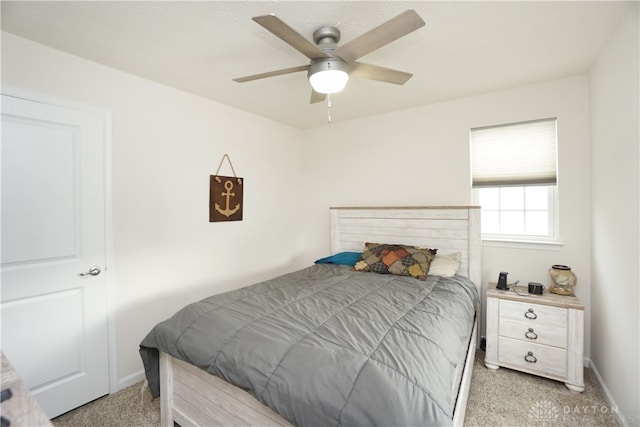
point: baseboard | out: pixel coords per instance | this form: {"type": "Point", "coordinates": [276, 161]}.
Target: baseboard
{"type": "Point", "coordinates": [131, 379]}
{"type": "Point", "coordinates": [620, 418]}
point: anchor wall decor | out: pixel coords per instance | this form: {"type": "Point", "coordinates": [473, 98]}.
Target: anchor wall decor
{"type": "Point", "coordinates": [225, 196]}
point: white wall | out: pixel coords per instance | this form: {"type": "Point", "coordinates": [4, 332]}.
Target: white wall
{"type": "Point", "coordinates": [421, 157]}
{"type": "Point", "coordinates": [165, 144]}
{"type": "Point", "coordinates": [615, 335]}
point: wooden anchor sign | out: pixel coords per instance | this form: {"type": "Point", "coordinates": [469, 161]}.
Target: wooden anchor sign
{"type": "Point", "coordinates": [225, 196]}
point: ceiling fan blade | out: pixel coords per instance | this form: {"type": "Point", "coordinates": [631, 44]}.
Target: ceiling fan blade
{"type": "Point", "coordinates": [381, 35]}
{"type": "Point", "coordinates": [382, 74]}
{"type": "Point", "coordinates": [317, 97]}
{"type": "Point", "coordinates": [290, 36]}
{"type": "Point", "coordinates": [271, 74]}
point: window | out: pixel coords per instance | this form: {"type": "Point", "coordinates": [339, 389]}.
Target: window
{"type": "Point", "coordinates": [517, 213]}
{"type": "Point", "coordinates": [514, 180]}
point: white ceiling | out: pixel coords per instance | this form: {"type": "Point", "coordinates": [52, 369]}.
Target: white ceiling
{"type": "Point", "coordinates": [466, 48]}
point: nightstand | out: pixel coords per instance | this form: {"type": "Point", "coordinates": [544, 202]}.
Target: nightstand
{"type": "Point", "coordinates": [539, 334]}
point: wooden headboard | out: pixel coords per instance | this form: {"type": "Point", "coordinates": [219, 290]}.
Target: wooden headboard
{"type": "Point", "coordinates": [447, 228]}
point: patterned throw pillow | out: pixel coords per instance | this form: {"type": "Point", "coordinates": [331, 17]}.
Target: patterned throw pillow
{"type": "Point", "coordinates": [401, 260]}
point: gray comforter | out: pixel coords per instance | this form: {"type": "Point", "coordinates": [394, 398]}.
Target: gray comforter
{"type": "Point", "coordinates": [327, 346]}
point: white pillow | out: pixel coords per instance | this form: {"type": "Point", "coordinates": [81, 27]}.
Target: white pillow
{"type": "Point", "coordinates": [445, 265]}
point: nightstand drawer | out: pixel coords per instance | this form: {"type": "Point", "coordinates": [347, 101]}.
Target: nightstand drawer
{"type": "Point", "coordinates": [533, 314]}
{"type": "Point", "coordinates": [528, 331]}
{"type": "Point", "coordinates": [533, 358]}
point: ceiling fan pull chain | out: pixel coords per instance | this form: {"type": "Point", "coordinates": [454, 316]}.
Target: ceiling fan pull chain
{"type": "Point", "coordinates": [328, 108]}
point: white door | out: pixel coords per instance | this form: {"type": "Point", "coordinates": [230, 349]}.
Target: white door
{"type": "Point", "coordinates": [54, 318]}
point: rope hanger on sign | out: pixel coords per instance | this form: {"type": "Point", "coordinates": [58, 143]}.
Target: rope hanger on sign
{"type": "Point", "coordinates": [226, 156]}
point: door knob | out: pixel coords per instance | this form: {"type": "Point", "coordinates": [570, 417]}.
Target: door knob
{"type": "Point", "coordinates": [93, 271]}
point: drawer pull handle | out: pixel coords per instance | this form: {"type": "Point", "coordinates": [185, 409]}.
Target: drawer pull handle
{"type": "Point", "coordinates": [531, 335]}
{"type": "Point", "coordinates": [529, 314]}
{"type": "Point", "coordinates": [530, 358]}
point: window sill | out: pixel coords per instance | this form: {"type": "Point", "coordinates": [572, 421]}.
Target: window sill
{"type": "Point", "coordinates": [522, 244]}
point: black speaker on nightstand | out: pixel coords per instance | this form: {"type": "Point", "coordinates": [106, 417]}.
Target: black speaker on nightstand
{"type": "Point", "coordinates": [502, 281]}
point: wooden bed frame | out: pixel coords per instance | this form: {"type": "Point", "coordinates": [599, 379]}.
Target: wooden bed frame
{"type": "Point", "coordinates": [191, 396]}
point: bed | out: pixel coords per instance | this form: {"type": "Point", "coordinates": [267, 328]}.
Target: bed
{"type": "Point", "coordinates": [327, 345]}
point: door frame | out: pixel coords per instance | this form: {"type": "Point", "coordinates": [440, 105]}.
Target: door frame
{"type": "Point", "coordinates": [108, 214]}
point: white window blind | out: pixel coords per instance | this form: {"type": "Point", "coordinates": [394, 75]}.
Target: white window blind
{"type": "Point", "coordinates": [514, 154]}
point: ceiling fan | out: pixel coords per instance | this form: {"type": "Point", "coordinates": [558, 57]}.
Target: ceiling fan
{"type": "Point", "coordinates": [331, 65]}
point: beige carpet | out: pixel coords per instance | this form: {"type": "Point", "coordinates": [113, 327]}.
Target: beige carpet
{"type": "Point", "coordinates": [509, 398]}
{"type": "Point", "coordinates": [497, 398]}
{"type": "Point", "coordinates": [129, 407]}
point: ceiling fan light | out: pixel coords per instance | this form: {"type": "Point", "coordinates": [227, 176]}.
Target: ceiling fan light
{"type": "Point", "coordinates": [328, 76]}
{"type": "Point", "coordinates": [330, 81]}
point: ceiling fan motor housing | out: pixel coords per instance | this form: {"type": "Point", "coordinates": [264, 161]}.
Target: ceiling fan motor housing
{"type": "Point", "coordinates": [335, 63]}
{"type": "Point", "coordinates": [326, 35]}
{"type": "Point", "coordinates": [327, 38]}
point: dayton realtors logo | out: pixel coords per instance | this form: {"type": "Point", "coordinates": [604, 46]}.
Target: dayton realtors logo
{"type": "Point", "coordinates": [547, 413]}
{"type": "Point", "coordinates": [544, 411]}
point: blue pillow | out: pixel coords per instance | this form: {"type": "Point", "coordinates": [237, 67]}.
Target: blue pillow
{"type": "Point", "coordinates": [341, 258]}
